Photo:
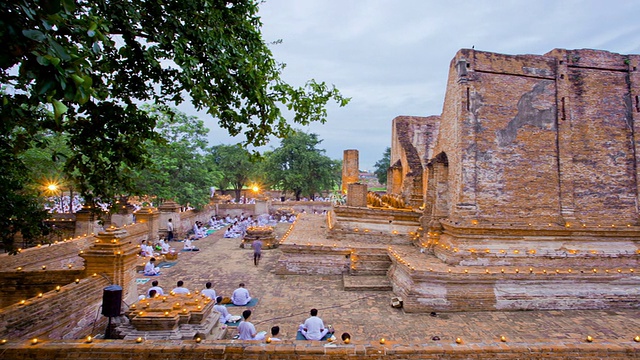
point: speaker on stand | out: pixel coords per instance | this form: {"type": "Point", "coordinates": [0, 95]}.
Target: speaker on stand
{"type": "Point", "coordinates": [111, 305]}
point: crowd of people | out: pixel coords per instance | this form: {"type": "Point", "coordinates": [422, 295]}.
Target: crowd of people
{"type": "Point", "coordinates": [313, 327]}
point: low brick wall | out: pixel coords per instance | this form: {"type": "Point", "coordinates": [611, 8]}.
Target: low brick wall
{"type": "Point", "coordinates": [187, 350]}
{"type": "Point", "coordinates": [67, 314]}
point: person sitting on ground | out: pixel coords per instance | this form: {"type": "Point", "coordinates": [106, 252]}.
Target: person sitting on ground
{"type": "Point", "coordinates": [346, 336]}
{"type": "Point", "coordinates": [246, 330]}
{"type": "Point", "coordinates": [164, 247]}
{"type": "Point", "coordinates": [274, 333]}
{"type": "Point", "coordinates": [225, 317]}
{"type": "Point", "coordinates": [189, 247]}
{"type": "Point", "coordinates": [180, 289]}
{"type": "Point", "coordinates": [156, 288]}
{"type": "Point", "coordinates": [152, 294]}
{"type": "Point", "coordinates": [208, 291]}
{"type": "Point", "coordinates": [313, 328]}
{"type": "Point", "coordinates": [240, 296]}
{"type": "Point", "coordinates": [145, 250]}
{"type": "Point", "coordinates": [150, 269]}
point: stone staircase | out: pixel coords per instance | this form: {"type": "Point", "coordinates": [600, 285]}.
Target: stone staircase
{"type": "Point", "coordinates": [368, 271]}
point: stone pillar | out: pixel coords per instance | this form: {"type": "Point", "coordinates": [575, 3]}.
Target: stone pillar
{"type": "Point", "coordinates": [150, 216]}
{"type": "Point", "coordinates": [116, 258]}
{"type": "Point", "coordinates": [357, 195]}
{"type": "Point", "coordinates": [170, 210]}
{"type": "Point", "coordinates": [85, 222]}
{"type": "Point", "coordinates": [350, 169]}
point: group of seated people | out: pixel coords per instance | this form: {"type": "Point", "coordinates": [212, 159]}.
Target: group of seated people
{"type": "Point", "coordinates": [159, 248]}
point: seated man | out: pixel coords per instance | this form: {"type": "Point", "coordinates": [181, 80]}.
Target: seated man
{"type": "Point", "coordinates": [180, 289]}
{"type": "Point", "coordinates": [150, 268]}
{"type": "Point", "coordinates": [225, 317]}
{"type": "Point", "coordinates": [313, 328]}
{"type": "Point", "coordinates": [156, 288]}
{"type": "Point", "coordinates": [240, 296]}
{"type": "Point", "coordinates": [246, 330]}
{"type": "Point", "coordinates": [145, 250]}
{"type": "Point", "coordinates": [164, 247]}
{"type": "Point", "coordinates": [189, 247]}
{"type": "Point", "coordinates": [208, 291]}
{"type": "Point", "coordinates": [275, 330]}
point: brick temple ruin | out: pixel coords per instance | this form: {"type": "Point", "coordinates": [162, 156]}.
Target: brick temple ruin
{"type": "Point", "coordinates": [526, 187]}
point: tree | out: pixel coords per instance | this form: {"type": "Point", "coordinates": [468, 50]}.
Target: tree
{"type": "Point", "coordinates": [236, 166]}
{"type": "Point", "coordinates": [82, 68]}
{"type": "Point", "coordinates": [298, 166]}
{"type": "Point", "coordinates": [382, 166]}
{"type": "Point", "coordinates": [178, 170]}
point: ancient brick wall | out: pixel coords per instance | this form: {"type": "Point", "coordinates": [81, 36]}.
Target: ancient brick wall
{"type": "Point", "coordinates": [412, 140]}
{"type": "Point", "coordinates": [541, 138]}
{"type": "Point", "coordinates": [156, 349]}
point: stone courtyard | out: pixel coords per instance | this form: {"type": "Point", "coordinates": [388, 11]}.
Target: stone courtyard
{"type": "Point", "coordinates": [285, 300]}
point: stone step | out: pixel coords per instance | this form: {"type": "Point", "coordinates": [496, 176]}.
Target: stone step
{"type": "Point", "coordinates": [368, 272]}
{"type": "Point", "coordinates": [366, 283]}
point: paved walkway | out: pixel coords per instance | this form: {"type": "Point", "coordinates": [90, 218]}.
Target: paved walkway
{"type": "Point", "coordinates": [367, 315]}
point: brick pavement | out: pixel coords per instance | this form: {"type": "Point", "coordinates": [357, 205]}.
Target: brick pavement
{"type": "Point", "coordinates": [367, 315]}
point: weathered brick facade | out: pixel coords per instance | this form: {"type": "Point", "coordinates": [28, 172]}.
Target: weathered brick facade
{"type": "Point", "coordinates": [350, 169]}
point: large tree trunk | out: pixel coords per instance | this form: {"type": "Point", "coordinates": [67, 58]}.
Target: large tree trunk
{"type": "Point", "coordinates": [238, 192]}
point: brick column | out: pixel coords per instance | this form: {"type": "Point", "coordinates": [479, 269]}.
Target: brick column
{"type": "Point", "coordinates": [150, 216]}
{"type": "Point", "coordinates": [350, 169]}
{"type": "Point", "coordinates": [85, 221]}
{"type": "Point", "coordinates": [115, 257]}
{"type": "Point", "coordinates": [357, 195]}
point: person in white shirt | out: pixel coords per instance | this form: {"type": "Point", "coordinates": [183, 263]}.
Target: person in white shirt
{"type": "Point", "coordinates": [225, 317]}
{"type": "Point", "coordinates": [313, 328]}
{"type": "Point", "coordinates": [154, 286]}
{"type": "Point", "coordinates": [180, 289]}
{"type": "Point", "coordinates": [150, 268]}
{"type": "Point", "coordinates": [246, 330]}
{"type": "Point", "coordinates": [189, 247]}
{"type": "Point", "coordinates": [208, 291]}
{"type": "Point", "coordinates": [169, 230]}
{"type": "Point", "coordinates": [240, 296]}
{"type": "Point", "coordinates": [275, 330]}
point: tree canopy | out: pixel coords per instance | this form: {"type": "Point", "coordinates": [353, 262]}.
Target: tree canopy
{"type": "Point", "coordinates": [382, 166]}
{"type": "Point", "coordinates": [178, 170]}
{"type": "Point", "coordinates": [299, 167]}
{"type": "Point", "coordinates": [236, 166]}
{"type": "Point", "coordinates": [82, 68]}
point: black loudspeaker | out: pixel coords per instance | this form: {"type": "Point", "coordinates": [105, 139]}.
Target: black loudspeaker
{"type": "Point", "coordinates": [111, 301]}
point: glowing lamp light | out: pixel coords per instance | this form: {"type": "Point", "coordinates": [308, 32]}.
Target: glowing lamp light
{"type": "Point", "coordinates": [44, 267]}
{"type": "Point", "coordinates": [19, 268]}
{"type": "Point", "coordinates": [198, 339]}
{"type": "Point", "coordinates": [166, 313]}
{"type": "Point", "coordinates": [69, 266]}
{"type": "Point", "coordinates": [40, 295]}
{"type": "Point", "coordinates": [199, 307]}
{"type": "Point", "coordinates": [34, 341]}
{"type": "Point", "coordinates": [268, 340]}
{"type": "Point", "coordinates": [503, 339]}
{"type": "Point", "coordinates": [3, 341]}
{"type": "Point", "coordinates": [139, 340]}
{"type": "Point", "coordinates": [589, 339]}
{"type": "Point", "coordinates": [94, 274]}
{"type": "Point", "coordinates": [22, 302]}
{"type": "Point", "coordinates": [636, 339]}
{"type": "Point", "coordinates": [382, 341]}
{"type": "Point", "coordinates": [184, 311]}
{"type": "Point", "coordinates": [77, 281]}
{"type": "Point", "coordinates": [89, 339]}
{"type": "Point", "coordinates": [133, 306]}
{"type": "Point", "coordinates": [458, 341]}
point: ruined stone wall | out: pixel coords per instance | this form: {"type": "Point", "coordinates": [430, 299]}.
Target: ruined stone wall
{"type": "Point", "coordinates": [541, 138]}
{"type": "Point", "coordinates": [411, 146]}
{"type": "Point", "coordinates": [350, 169]}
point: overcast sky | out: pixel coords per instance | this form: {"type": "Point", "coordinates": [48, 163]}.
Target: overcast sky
{"type": "Point", "coordinates": [392, 57]}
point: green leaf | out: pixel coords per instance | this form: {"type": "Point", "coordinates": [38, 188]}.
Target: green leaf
{"type": "Point", "coordinates": [35, 35]}
{"type": "Point", "coordinates": [59, 109]}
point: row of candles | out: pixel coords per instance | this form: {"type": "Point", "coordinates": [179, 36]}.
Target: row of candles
{"type": "Point", "coordinates": [382, 341]}
{"type": "Point", "coordinates": [289, 230]}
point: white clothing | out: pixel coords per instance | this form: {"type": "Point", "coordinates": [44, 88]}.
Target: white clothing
{"type": "Point", "coordinates": [246, 331]}
{"type": "Point", "coordinates": [187, 245]}
{"type": "Point", "coordinates": [240, 297]}
{"type": "Point", "coordinates": [313, 328]}
{"type": "Point", "coordinates": [169, 226]}
{"type": "Point", "coordinates": [149, 269]}
{"type": "Point", "coordinates": [180, 290]}
{"type": "Point", "coordinates": [210, 293]}
{"type": "Point", "coordinates": [224, 313]}
{"type": "Point", "coordinates": [158, 290]}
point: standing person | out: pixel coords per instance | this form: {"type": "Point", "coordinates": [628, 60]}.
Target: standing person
{"type": "Point", "coordinates": [169, 230]}
{"type": "Point", "coordinates": [257, 251]}
{"type": "Point", "coordinates": [240, 296]}
{"type": "Point", "coordinates": [313, 328]}
{"type": "Point", "coordinates": [246, 330]}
